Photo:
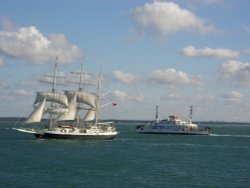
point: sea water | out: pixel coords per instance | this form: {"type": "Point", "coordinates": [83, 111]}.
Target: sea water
{"type": "Point", "coordinates": [130, 160]}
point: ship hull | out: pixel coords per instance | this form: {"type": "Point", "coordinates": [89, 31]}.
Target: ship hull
{"type": "Point", "coordinates": [174, 133]}
{"type": "Point", "coordinates": [73, 136]}
{"type": "Point", "coordinates": [76, 137]}
{"type": "Point", "coordinates": [170, 131]}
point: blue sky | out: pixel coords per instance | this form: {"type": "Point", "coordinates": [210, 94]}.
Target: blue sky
{"type": "Point", "coordinates": [171, 53]}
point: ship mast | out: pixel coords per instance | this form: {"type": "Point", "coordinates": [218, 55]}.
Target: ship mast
{"type": "Point", "coordinates": [98, 99]}
{"type": "Point", "coordinates": [53, 97]}
{"type": "Point", "coordinates": [80, 89]}
{"type": "Point", "coordinates": [54, 77]}
{"type": "Point", "coordinates": [51, 116]}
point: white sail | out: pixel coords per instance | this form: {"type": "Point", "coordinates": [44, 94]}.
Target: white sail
{"type": "Point", "coordinates": [71, 114]}
{"type": "Point", "coordinates": [87, 98]}
{"type": "Point", "coordinates": [37, 114]}
{"type": "Point", "coordinates": [59, 98]}
{"type": "Point", "coordinates": [83, 97]}
{"type": "Point", "coordinates": [90, 115]}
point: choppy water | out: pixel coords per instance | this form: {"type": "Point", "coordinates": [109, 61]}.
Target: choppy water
{"type": "Point", "coordinates": [130, 160]}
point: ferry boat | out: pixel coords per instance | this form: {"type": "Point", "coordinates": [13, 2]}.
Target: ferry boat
{"type": "Point", "coordinates": [173, 125]}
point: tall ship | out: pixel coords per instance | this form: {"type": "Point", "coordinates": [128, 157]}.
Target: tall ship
{"type": "Point", "coordinates": [172, 125]}
{"type": "Point", "coordinates": [63, 111]}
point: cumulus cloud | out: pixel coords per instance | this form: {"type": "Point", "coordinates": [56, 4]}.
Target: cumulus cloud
{"type": "Point", "coordinates": [30, 44]}
{"type": "Point", "coordinates": [236, 71]}
{"type": "Point", "coordinates": [122, 96]}
{"type": "Point", "coordinates": [168, 77]}
{"type": "Point", "coordinates": [167, 18]}
{"type": "Point", "coordinates": [191, 51]}
{"type": "Point", "coordinates": [126, 78]}
{"type": "Point", "coordinates": [172, 77]}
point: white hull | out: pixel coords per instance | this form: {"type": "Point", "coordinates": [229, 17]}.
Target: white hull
{"type": "Point", "coordinates": [177, 132]}
{"type": "Point", "coordinates": [91, 133]}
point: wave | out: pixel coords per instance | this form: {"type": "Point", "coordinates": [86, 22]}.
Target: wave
{"type": "Point", "coordinates": [230, 135]}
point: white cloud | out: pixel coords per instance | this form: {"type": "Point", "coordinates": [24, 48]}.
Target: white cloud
{"type": "Point", "coordinates": [167, 18]}
{"type": "Point", "coordinates": [172, 77]}
{"type": "Point", "coordinates": [122, 96]}
{"type": "Point", "coordinates": [168, 77]}
{"type": "Point", "coordinates": [123, 77]}
{"type": "Point", "coordinates": [191, 51]}
{"type": "Point", "coordinates": [236, 71]}
{"type": "Point", "coordinates": [30, 44]}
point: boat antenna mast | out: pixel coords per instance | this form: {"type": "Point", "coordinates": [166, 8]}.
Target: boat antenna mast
{"type": "Point", "coordinates": [191, 114]}
{"type": "Point", "coordinates": [157, 113]}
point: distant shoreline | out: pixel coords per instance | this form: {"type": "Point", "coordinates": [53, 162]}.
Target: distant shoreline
{"type": "Point", "coordinates": [137, 121]}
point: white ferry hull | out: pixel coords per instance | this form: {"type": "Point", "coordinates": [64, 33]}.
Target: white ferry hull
{"type": "Point", "coordinates": [175, 132]}
{"type": "Point", "coordinates": [152, 130]}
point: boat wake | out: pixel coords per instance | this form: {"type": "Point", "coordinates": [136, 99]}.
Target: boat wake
{"type": "Point", "coordinates": [229, 135]}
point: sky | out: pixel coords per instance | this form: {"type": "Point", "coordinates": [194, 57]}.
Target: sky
{"type": "Point", "coordinates": [168, 53]}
